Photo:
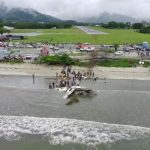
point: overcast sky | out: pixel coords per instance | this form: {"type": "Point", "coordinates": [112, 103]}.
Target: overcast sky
{"type": "Point", "coordinates": [72, 9]}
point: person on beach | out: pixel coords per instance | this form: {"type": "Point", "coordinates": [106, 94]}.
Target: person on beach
{"type": "Point", "coordinates": [50, 86]}
{"type": "Point", "coordinates": [90, 73]}
{"type": "Point", "coordinates": [93, 74]}
{"type": "Point", "coordinates": [33, 78]}
{"type": "Point", "coordinates": [53, 85]}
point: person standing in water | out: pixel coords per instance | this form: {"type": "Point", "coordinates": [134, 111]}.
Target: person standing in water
{"type": "Point", "coordinates": [33, 78]}
{"type": "Point", "coordinates": [53, 85]}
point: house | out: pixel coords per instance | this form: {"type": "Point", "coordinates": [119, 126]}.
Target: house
{"type": "Point", "coordinates": [8, 28]}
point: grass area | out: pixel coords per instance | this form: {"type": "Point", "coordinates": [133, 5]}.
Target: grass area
{"type": "Point", "coordinates": [74, 35]}
{"type": "Point", "coordinates": [118, 63]}
{"type": "Point", "coordinates": [72, 30]}
{"type": "Point", "coordinates": [122, 36]}
{"type": "Point", "coordinates": [146, 64]}
{"type": "Point", "coordinates": [57, 60]}
{"type": "Point", "coordinates": [67, 60]}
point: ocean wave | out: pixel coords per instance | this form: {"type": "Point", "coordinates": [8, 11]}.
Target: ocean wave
{"type": "Point", "coordinates": [61, 131]}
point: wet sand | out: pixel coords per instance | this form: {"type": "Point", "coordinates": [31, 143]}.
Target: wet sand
{"type": "Point", "coordinates": [140, 73]}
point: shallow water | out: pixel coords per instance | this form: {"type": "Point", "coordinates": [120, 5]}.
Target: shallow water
{"type": "Point", "coordinates": [34, 117]}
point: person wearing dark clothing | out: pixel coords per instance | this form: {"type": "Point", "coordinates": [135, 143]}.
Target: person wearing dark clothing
{"type": "Point", "coordinates": [84, 74]}
{"type": "Point", "coordinates": [90, 73]}
{"type": "Point", "coordinates": [93, 74]}
{"type": "Point", "coordinates": [33, 78]}
{"type": "Point", "coordinates": [53, 85]}
{"type": "Point", "coordinates": [50, 86]}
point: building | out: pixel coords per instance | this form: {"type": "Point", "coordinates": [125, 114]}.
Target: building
{"type": "Point", "coordinates": [15, 37]}
{"type": "Point", "coordinates": [8, 28]}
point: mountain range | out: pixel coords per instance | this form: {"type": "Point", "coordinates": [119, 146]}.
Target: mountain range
{"type": "Point", "coordinates": [107, 17]}
{"type": "Point", "coordinates": [26, 15]}
{"type": "Point", "coordinates": [31, 15]}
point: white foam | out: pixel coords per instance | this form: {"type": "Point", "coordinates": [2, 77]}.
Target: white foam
{"type": "Point", "coordinates": [61, 131]}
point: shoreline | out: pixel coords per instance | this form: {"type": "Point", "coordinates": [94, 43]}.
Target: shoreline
{"type": "Point", "coordinates": [27, 69]}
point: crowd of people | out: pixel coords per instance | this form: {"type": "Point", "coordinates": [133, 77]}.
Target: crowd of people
{"type": "Point", "coordinates": [7, 58]}
{"type": "Point", "coordinates": [69, 77]}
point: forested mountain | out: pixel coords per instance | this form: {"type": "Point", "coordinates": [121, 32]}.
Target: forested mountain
{"type": "Point", "coordinates": [25, 15]}
{"type": "Point", "coordinates": [107, 17]}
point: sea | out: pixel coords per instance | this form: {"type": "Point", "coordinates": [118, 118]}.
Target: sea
{"type": "Point", "coordinates": [34, 117]}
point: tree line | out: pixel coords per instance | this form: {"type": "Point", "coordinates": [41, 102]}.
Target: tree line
{"type": "Point", "coordinates": [33, 25]}
{"type": "Point", "coordinates": [2, 29]}
{"type": "Point", "coordinates": [40, 25]}
{"type": "Point", "coordinates": [116, 25]}
{"type": "Point", "coordinates": [30, 25]}
{"type": "Point", "coordinates": [141, 27]}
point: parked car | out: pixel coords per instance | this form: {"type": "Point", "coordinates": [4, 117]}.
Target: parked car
{"type": "Point", "coordinates": [28, 56]}
{"type": "Point", "coordinates": [118, 53]}
{"type": "Point", "coordinates": [29, 46]}
{"type": "Point", "coordinates": [55, 48]}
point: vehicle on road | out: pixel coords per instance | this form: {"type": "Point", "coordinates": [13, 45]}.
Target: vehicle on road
{"type": "Point", "coordinates": [118, 53]}
{"type": "Point", "coordinates": [28, 56]}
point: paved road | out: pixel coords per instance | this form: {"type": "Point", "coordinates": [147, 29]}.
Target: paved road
{"type": "Point", "coordinates": [89, 30]}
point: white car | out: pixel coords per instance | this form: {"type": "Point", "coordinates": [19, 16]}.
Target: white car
{"type": "Point", "coordinates": [29, 46]}
{"type": "Point", "coordinates": [55, 48]}
{"type": "Point", "coordinates": [88, 49]}
{"type": "Point", "coordinates": [118, 53]}
{"type": "Point", "coordinates": [28, 56]}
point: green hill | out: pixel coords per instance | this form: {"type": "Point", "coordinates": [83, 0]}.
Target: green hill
{"type": "Point", "coordinates": [27, 15]}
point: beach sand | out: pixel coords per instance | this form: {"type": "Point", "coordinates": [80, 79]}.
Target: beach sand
{"type": "Point", "coordinates": [140, 73]}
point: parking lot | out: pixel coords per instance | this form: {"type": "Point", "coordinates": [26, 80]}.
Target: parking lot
{"type": "Point", "coordinates": [31, 51]}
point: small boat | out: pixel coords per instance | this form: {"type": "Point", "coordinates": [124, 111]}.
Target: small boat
{"type": "Point", "coordinates": [77, 90]}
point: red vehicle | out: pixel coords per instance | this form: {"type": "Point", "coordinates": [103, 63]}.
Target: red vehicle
{"type": "Point", "coordinates": [85, 47]}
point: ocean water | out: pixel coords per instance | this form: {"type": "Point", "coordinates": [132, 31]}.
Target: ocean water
{"type": "Point", "coordinates": [35, 117]}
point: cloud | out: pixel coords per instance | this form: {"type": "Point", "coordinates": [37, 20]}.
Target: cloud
{"type": "Point", "coordinates": [72, 9]}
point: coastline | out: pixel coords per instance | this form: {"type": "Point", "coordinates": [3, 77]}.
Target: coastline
{"type": "Point", "coordinates": [27, 69]}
